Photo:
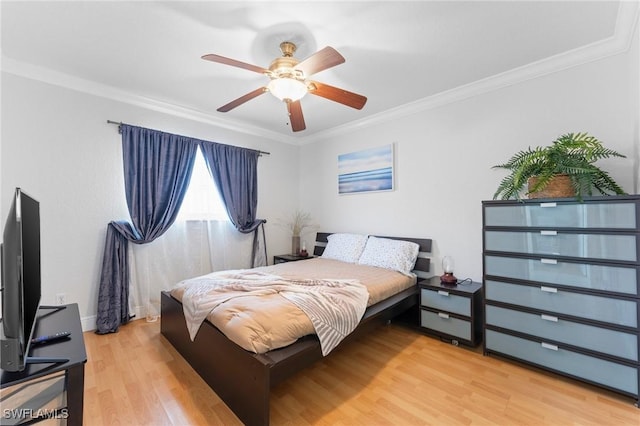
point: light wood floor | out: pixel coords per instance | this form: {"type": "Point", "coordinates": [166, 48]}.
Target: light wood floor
{"type": "Point", "coordinates": [393, 377]}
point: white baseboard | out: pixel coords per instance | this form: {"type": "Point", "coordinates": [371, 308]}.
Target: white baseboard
{"type": "Point", "coordinates": [88, 323]}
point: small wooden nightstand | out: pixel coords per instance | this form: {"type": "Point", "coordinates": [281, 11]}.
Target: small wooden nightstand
{"type": "Point", "coordinates": [282, 258]}
{"type": "Point", "coordinates": [453, 313]}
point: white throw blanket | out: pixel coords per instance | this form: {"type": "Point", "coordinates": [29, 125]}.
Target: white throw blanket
{"type": "Point", "coordinates": [334, 307]}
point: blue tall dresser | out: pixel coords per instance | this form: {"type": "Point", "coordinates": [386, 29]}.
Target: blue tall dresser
{"type": "Point", "coordinates": [561, 286]}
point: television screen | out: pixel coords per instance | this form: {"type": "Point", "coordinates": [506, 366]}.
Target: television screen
{"type": "Point", "coordinates": [21, 289]}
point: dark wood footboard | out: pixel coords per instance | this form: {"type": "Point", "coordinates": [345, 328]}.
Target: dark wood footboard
{"type": "Point", "coordinates": [240, 378]}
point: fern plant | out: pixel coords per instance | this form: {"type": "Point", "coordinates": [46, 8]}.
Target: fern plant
{"type": "Point", "coordinates": [572, 154]}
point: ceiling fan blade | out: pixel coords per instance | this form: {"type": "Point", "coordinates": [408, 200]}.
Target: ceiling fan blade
{"type": "Point", "coordinates": [228, 61]}
{"type": "Point", "coordinates": [336, 94]}
{"type": "Point", "coordinates": [319, 61]}
{"type": "Point", "coordinates": [295, 116]}
{"type": "Point", "coordinates": [242, 99]}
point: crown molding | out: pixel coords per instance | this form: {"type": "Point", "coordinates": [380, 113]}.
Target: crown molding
{"type": "Point", "coordinates": [620, 42]}
{"type": "Point", "coordinates": [49, 76]}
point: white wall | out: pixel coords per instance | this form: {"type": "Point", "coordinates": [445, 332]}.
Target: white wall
{"type": "Point", "coordinates": [444, 155]}
{"type": "Point", "coordinates": [56, 144]}
{"type": "Point", "coordinates": [635, 85]}
{"type": "Point", "coordinates": [58, 147]}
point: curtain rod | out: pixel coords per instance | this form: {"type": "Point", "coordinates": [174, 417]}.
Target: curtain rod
{"type": "Point", "coordinates": [119, 123]}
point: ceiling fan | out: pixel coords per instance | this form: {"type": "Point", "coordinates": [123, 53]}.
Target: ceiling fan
{"type": "Point", "coordinates": [289, 81]}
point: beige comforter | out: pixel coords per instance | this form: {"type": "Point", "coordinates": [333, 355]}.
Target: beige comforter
{"type": "Point", "coordinates": [262, 322]}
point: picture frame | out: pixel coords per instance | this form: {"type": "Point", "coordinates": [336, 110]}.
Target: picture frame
{"type": "Point", "coordinates": [368, 170]}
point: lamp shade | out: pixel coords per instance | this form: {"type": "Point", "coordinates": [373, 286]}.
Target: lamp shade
{"type": "Point", "coordinates": [287, 88]}
{"type": "Point", "coordinates": [447, 264]}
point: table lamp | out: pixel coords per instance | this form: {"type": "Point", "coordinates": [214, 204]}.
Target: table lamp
{"type": "Point", "coordinates": [447, 266]}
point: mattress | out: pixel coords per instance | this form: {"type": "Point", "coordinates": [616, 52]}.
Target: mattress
{"type": "Point", "coordinates": [266, 322]}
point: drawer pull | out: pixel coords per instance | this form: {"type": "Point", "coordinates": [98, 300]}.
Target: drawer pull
{"type": "Point", "coordinates": [549, 346]}
{"type": "Point", "coordinates": [552, 233]}
{"type": "Point", "coordinates": [549, 261]}
{"type": "Point", "coordinates": [443, 315]}
{"type": "Point", "coordinates": [548, 289]}
{"type": "Point", "coordinates": [443, 293]}
{"type": "Point", "coordinates": [549, 318]}
{"type": "Point", "coordinates": [547, 205]}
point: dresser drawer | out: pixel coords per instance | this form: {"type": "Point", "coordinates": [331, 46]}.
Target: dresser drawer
{"type": "Point", "coordinates": [598, 308]}
{"type": "Point", "coordinates": [443, 300]}
{"type": "Point", "coordinates": [617, 376]}
{"type": "Point", "coordinates": [603, 340]}
{"type": "Point", "coordinates": [615, 215]}
{"type": "Point", "coordinates": [550, 242]}
{"type": "Point", "coordinates": [446, 324]}
{"type": "Point", "coordinates": [615, 278]}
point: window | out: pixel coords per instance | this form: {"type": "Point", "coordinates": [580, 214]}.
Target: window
{"type": "Point", "coordinates": [202, 200]}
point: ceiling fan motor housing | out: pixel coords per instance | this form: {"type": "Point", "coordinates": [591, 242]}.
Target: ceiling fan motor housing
{"type": "Point", "coordinates": [284, 68]}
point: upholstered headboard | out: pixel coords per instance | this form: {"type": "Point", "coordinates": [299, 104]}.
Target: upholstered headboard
{"type": "Point", "coordinates": [423, 263]}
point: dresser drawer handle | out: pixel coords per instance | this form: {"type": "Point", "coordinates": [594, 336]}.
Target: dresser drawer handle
{"type": "Point", "coordinates": [443, 293]}
{"type": "Point", "coordinates": [548, 289]}
{"type": "Point", "coordinates": [443, 315]}
{"type": "Point", "coordinates": [552, 233]}
{"type": "Point", "coordinates": [549, 261]}
{"type": "Point", "coordinates": [549, 346]}
{"type": "Point", "coordinates": [549, 318]}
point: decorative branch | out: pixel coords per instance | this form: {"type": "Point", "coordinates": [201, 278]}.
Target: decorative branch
{"type": "Point", "coordinates": [299, 221]}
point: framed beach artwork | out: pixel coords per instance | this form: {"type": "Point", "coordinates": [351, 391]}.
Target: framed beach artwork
{"type": "Point", "coordinates": [366, 171]}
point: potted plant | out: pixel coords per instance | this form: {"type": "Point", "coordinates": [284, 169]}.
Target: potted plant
{"type": "Point", "coordinates": [563, 169]}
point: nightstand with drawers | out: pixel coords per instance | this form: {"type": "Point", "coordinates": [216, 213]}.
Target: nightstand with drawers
{"type": "Point", "coordinates": [453, 313]}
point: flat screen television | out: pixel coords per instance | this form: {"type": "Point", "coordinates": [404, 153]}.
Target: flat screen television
{"type": "Point", "coordinates": [21, 290]}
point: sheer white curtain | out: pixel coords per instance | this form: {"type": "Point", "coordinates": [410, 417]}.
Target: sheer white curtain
{"type": "Point", "coordinates": [188, 249]}
{"type": "Point", "coordinates": [202, 240]}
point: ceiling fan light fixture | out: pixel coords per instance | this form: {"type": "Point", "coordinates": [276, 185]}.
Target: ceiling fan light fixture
{"type": "Point", "coordinates": [287, 89]}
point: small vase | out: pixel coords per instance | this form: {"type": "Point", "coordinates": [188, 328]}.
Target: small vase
{"type": "Point", "coordinates": [295, 245]}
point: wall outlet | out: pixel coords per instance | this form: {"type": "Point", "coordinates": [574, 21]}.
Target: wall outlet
{"type": "Point", "coordinates": [61, 299]}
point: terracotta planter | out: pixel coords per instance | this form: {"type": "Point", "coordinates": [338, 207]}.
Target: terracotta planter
{"type": "Point", "coordinates": [559, 187]}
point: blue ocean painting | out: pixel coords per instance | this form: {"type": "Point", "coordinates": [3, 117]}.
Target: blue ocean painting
{"type": "Point", "coordinates": [367, 170]}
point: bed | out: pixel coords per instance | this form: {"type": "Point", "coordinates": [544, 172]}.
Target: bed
{"type": "Point", "coordinates": [242, 378]}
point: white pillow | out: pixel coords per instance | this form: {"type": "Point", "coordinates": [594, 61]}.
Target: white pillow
{"type": "Point", "coordinates": [386, 253]}
{"type": "Point", "coordinates": [345, 247]}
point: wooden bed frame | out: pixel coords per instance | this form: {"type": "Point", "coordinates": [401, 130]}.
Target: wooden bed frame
{"type": "Point", "coordinates": [243, 379]}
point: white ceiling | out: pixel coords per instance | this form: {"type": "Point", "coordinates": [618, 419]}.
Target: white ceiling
{"type": "Point", "coordinates": [399, 54]}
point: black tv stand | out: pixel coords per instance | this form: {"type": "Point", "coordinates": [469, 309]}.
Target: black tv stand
{"type": "Point", "coordinates": [63, 362]}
